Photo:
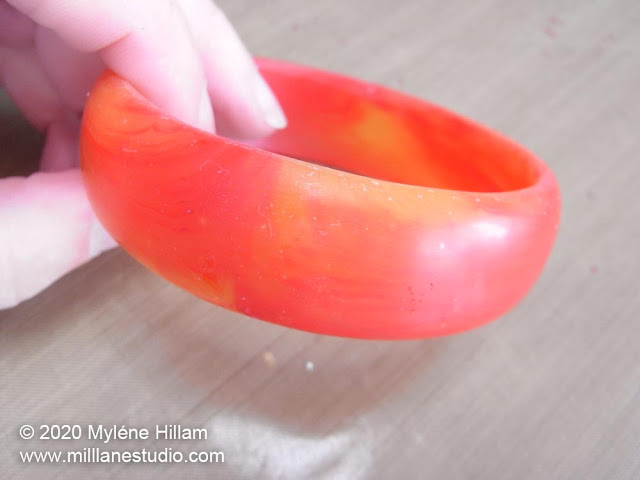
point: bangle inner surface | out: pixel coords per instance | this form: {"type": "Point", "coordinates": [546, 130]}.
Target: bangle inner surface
{"type": "Point", "coordinates": [373, 131]}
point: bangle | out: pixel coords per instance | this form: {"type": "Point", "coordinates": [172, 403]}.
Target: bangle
{"type": "Point", "coordinates": [372, 214]}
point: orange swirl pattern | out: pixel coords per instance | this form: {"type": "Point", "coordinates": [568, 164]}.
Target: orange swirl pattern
{"type": "Point", "coordinates": [403, 220]}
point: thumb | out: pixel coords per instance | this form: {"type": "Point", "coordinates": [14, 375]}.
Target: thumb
{"type": "Point", "coordinates": [47, 228]}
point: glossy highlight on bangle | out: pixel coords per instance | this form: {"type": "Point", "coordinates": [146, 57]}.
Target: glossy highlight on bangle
{"type": "Point", "coordinates": [372, 215]}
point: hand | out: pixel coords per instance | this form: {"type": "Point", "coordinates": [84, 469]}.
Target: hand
{"type": "Point", "coordinates": [183, 55]}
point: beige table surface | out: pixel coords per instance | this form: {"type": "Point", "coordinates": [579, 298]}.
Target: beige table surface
{"type": "Point", "coordinates": [550, 391]}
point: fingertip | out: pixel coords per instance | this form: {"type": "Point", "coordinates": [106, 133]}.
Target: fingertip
{"type": "Point", "coordinates": [268, 105]}
{"type": "Point", "coordinates": [251, 113]}
{"type": "Point", "coordinates": [244, 106]}
{"type": "Point", "coordinates": [205, 120]}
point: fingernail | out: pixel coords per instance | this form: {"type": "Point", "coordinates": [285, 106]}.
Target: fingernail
{"type": "Point", "coordinates": [205, 112]}
{"type": "Point", "coordinates": [268, 104]}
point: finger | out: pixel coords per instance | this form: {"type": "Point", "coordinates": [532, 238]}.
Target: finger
{"type": "Point", "coordinates": [16, 30]}
{"type": "Point", "coordinates": [31, 89]}
{"type": "Point", "coordinates": [147, 43]}
{"type": "Point", "coordinates": [27, 84]}
{"type": "Point", "coordinates": [70, 71]}
{"type": "Point", "coordinates": [47, 228]}
{"type": "Point", "coordinates": [60, 150]}
{"type": "Point", "coordinates": [244, 105]}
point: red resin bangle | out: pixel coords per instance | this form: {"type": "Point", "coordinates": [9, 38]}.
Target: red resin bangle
{"type": "Point", "coordinates": [403, 220]}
